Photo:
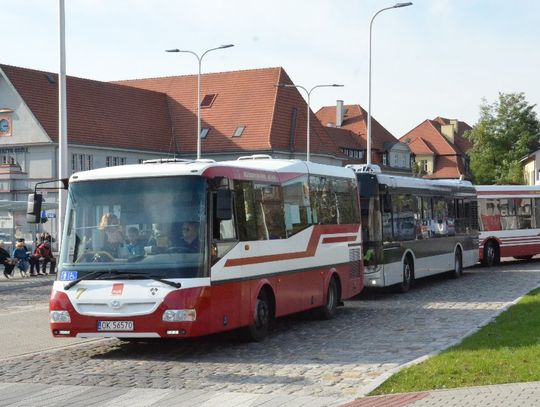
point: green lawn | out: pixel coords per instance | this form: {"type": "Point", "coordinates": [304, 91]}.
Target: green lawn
{"type": "Point", "coordinates": [505, 351]}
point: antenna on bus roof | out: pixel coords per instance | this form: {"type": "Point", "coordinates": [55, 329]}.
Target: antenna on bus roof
{"type": "Point", "coordinates": [166, 160]}
{"type": "Point", "coordinates": [370, 168]}
{"type": "Point", "coordinates": [256, 157]}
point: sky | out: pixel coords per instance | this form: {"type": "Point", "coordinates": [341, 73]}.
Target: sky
{"type": "Point", "coordinates": [434, 58]}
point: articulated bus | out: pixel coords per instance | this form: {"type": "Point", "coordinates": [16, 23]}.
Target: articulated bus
{"type": "Point", "coordinates": [415, 227]}
{"type": "Point", "coordinates": [509, 218]}
{"type": "Point", "coordinates": [184, 249]}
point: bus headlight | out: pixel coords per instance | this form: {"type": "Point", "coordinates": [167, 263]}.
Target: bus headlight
{"type": "Point", "coordinates": [59, 316]}
{"type": "Point", "coordinates": [179, 315]}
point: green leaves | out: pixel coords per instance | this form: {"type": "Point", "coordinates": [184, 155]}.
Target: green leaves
{"type": "Point", "coordinates": [507, 131]}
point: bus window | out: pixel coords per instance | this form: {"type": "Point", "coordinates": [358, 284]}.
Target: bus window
{"type": "Point", "coordinates": [524, 213]}
{"type": "Point", "coordinates": [405, 227]}
{"type": "Point", "coordinates": [536, 212]}
{"type": "Point", "coordinates": [387, 229]}
{"type": "Point", "coordinates": [298, 213]}
{"type": "Point", "coordinates": [490, 215]}
{"type": "Point", "coordinates": [508, 214]}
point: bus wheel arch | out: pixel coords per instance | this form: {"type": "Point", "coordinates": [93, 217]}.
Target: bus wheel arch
{"type": "Point", "coordinates": [492, 253]}
{"type": "Point", "coordinates": [407, 273]}
{"type": "Point", "coordinates": [263, 314]}
{"type": "Point", "coordinates": [332, 298]}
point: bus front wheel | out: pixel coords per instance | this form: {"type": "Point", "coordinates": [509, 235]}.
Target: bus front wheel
{"type": "Point", "coordinates": [262, 317]}
{"type": "Point", "coordinates": [408, 276]}
{"type": "Point", "coordinates": [491, 254]}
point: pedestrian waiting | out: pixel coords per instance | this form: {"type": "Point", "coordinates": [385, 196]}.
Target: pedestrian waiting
{"type": "Point", "coordinates": [44, 254]}
{"type": "Point", "coordinates": [22, 257]}
{"type": "Point", "coordinates": [6, 260]}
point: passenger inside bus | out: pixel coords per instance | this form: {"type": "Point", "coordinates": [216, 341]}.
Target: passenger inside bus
{"type": "Point", "coordinates": [113, 238]}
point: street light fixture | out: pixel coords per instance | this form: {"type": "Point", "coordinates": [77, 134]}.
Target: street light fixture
{"type": "Point", "coordinates": [199, 58]}
{"type": "Point", "coordinates": [308, 92]}
{"type": "Point", "coordinates": [397, 5]}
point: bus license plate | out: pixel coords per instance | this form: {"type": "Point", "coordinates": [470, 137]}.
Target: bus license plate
{"type": "Point", "coordinates": [115, 326]}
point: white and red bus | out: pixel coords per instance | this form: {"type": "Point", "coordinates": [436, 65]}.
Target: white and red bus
{"type": "Point", "coordinates": [415, 227]}
{"type": "Point", "coordinates": [509, 217]}
{"type": "Point", "coordinates": [274, 237]}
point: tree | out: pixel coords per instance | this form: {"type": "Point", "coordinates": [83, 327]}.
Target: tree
{"type": "Point", "coordinates": [508, 131]}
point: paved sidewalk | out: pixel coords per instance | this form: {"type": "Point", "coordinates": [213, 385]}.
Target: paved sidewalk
{"type": "Point", "coordinates": [30, 394]}
{"type": "Point", "coordinates": [503, 395]}
{"type": "Point", "coordinates": [32, 281]}
{"type": "Point", "coordinates": [42, 395]}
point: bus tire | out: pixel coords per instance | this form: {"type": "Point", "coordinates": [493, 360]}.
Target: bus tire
{"type": "Point", "coordinates": [408, 276]}
{"type": "Point", "coordinates": [458, 265]}
{"type": "Point", "coordinates": [329, 309]}
{"type": "Point", "coordinates": [262, 316]}
{"type": "Point", "coordinates": [491, 254]}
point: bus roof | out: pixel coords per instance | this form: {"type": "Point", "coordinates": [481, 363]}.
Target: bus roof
{"type": "Point", "coordinates": [257, 168]}
{"type": "Point", "coordinates": [508, 191]}
{"type": "Point", "coordinates": [396, 181]}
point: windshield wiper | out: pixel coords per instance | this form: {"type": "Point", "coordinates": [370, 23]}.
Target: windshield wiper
{"type": "Point", "coordinates": [115, 274]}
{"type": "Point", "coordinates": [156, 278]}
{"type": "Point", "coordinates": [90, 276]}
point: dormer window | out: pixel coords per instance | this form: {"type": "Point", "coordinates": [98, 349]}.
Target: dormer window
{"type": "Point", "coordinates": [208, 100]}
{"type": "Point", "coordinates": [239, 130]}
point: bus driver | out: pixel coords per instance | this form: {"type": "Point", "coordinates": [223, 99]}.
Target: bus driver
{"type": "Point", "coordinates": [190, 237]}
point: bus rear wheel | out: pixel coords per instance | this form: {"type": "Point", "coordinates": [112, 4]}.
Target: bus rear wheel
{"type": "Point", "coordinates": [329, 309]}
{"type": "Point", "coordinates": [408, 276]}
{"type": "Point", "coordinates": [491, 254]}
{"type": "Point", "coordinates": [262, 317]}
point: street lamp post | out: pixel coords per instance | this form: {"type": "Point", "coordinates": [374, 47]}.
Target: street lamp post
{"type": "Point", "coordinates": [308, 92]}
{"type": "Point", "coordinates": [199, 59]}
{"type": "Point", "coordinates": [397, 5]}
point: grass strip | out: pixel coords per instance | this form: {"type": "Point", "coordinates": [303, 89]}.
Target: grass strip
{"type": "Point", "coordinates": [505, 351]}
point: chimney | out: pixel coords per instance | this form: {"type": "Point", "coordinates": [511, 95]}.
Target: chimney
{"type": "Point", "coordinates": [447, 131]}
{"type": "Point", "coordinates": [454, 123]}
{"type": "Point", "coordinates": [340, 113]}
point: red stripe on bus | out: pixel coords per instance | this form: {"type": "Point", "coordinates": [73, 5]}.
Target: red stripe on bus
{"type": "Point", "coordinates": [339, 239]}
{"type": "Point", "coordinates": [316, 234]}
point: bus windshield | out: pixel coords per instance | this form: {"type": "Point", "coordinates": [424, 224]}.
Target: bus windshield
{"type": "Point", "coordinates": [151, 226]}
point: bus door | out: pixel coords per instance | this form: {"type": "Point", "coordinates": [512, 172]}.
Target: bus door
{"type": "Point", "coordinates": [227, 295]}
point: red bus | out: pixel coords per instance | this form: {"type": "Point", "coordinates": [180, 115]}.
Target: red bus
{"type": "Point", "coordinates": [509, 217]}
{"type": "Point", "coordinates": [189, 248]}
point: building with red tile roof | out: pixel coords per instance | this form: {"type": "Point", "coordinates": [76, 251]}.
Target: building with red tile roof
{"type": "Point", "coordinates": [273, 119]}
{"type": "Point", "coordinates": [347, 125]}
{"type": "Point", "coordinates": [440, 148]}
{"type": "Point", "coordinates": [115, 123]}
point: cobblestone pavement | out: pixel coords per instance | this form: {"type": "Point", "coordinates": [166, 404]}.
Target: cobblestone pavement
{"type": "Point", "coordinates": [339, 359]}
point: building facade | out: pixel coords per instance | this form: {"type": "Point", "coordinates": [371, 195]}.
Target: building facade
{"type": "Point", "coordinates": [126, 122]}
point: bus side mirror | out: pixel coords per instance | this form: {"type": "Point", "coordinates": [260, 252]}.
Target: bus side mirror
{"type": "Point", "coordinates": [224, 204]}
{"type": "Point", "coordinates": [33, 208]}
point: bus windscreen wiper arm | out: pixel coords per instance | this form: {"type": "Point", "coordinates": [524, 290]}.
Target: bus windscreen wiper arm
{"type": "Point", "coordinates": [141, 275]}
{"type": "Point", "coordinates": [90, 276]}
